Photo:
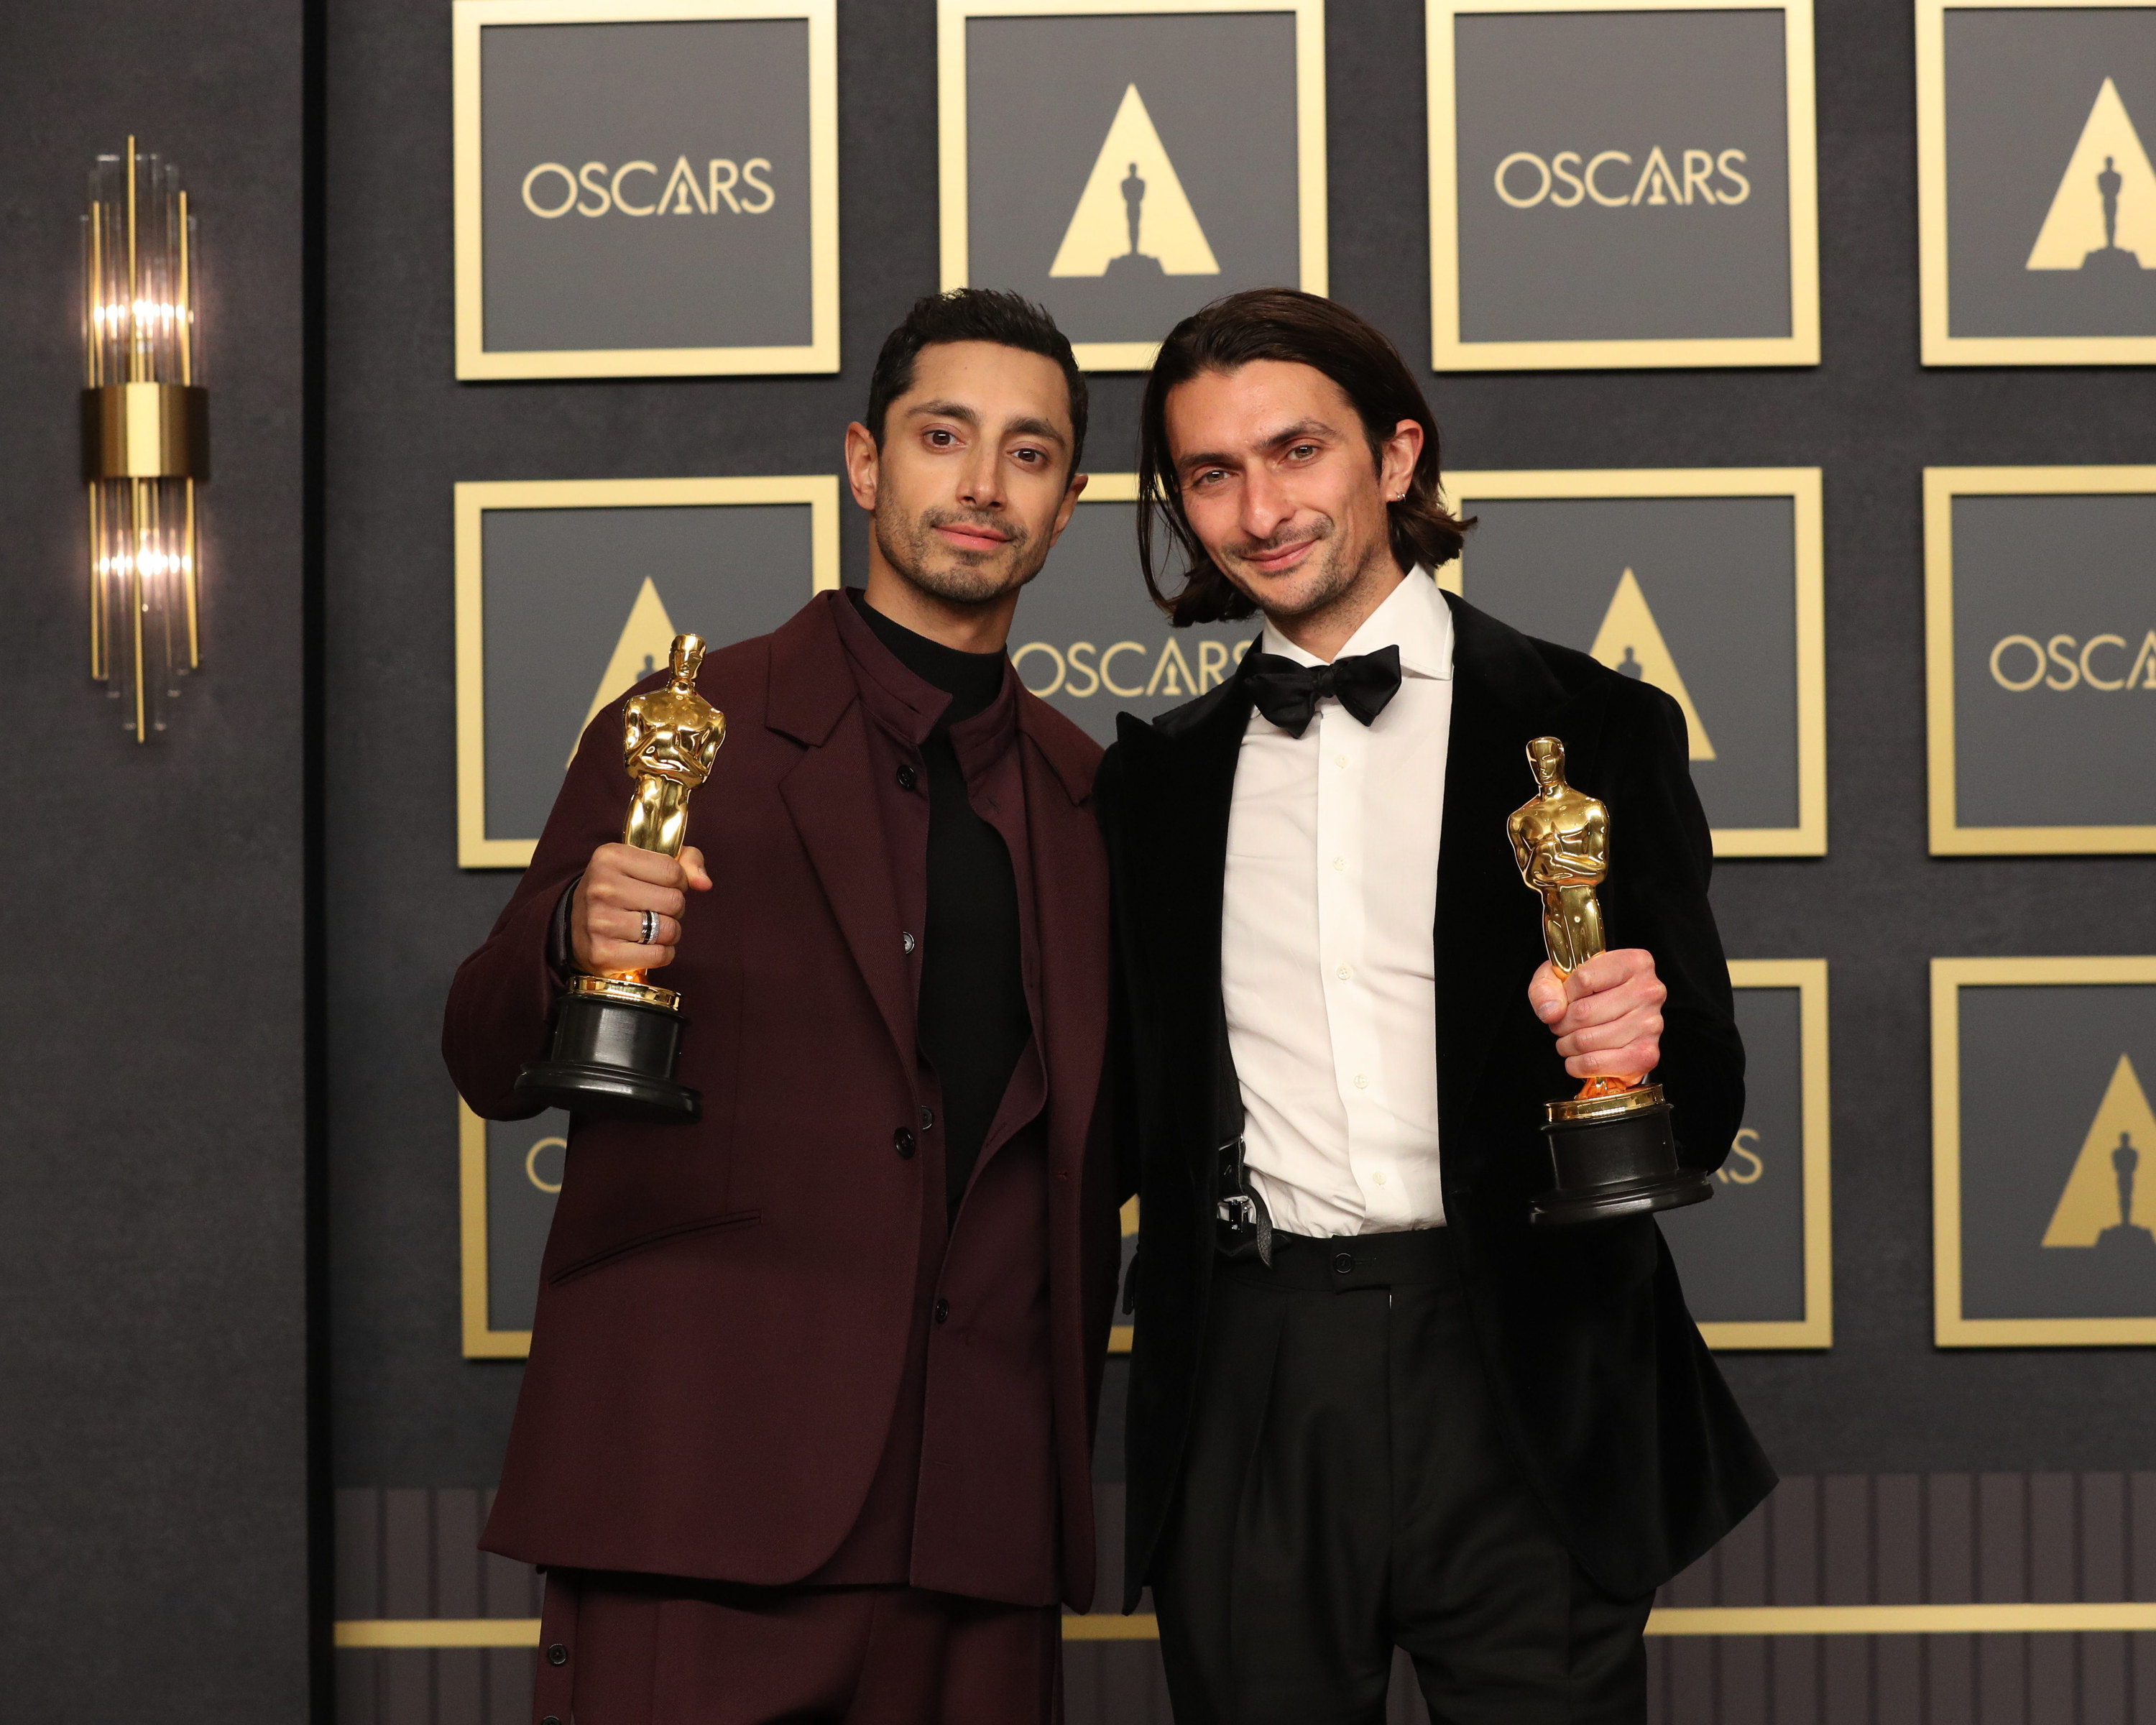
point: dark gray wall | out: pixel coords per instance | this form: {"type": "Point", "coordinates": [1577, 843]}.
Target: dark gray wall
{"type": "Point", "coordinates": [400, 432]}
{"type": "Point", "coordinates": [152, 1075]}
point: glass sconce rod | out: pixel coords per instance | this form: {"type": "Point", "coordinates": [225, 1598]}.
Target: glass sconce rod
{"type": "Point", "coordinates": [144, 434]}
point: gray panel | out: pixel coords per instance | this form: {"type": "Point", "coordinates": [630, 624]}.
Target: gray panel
{"type": "Point", "coordinates": [559, 585]}
{"type": "Point", "coordinates": [2020, 86]}
{"type": "Point", "coordinates": [1741, 1254]}
{"type": "Point", "coordinates": [596, 276]}
{"type": "Point", "coordinates": [2036, 1063]}
{"type": "Point", "coordinates": [1090, 605]}
{"type": "Point", "coordinates": [1041, 95]}
{"type": "Point", "coordinates": [1719, 576]}
{"type": "Point", "coordinates": [155, 1489]}
{"type": "Point", "coordinates": [523, 1158]}
{"type": "Point", "coordinates": [1633, 82]}
{"type": "Point", "coordinates": [2044, 568]}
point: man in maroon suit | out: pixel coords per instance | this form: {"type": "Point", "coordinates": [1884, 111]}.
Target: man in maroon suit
{"type": "Point", "coordinates": [805, 1433]}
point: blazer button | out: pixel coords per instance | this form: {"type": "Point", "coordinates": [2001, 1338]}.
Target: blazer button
{"type": "Point", "coordinates": [902, 1142]}
{"type": "Point", "coordinates": [907, 778]}
{"type": "Point", "coordinates": [927, 1117]}
{"type": "Point", "coordinates": [942, 1312]}
{"type": "Point", "coordinates": [558, 1655]}
{"type": "Point", "coordinates": [551, 1719]}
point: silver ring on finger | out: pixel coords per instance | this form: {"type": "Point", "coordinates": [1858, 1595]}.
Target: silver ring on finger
{"type": "Point", "coordinates": [650, 929]}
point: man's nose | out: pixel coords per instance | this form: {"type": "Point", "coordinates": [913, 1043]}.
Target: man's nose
{"type": "Point", "coordinates": [980, 482]}
{"type": "Point", "coordinates": [1267, 505]}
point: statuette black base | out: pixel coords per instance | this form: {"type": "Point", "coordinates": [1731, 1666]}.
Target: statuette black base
{"type": "Point", "coordinates": [612, 1059]}
{"type": "Point", "coordinates": [1615, 1155]}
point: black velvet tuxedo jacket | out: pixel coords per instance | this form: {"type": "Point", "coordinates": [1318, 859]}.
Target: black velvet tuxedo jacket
{"type": "Point", "coordinates": [1623, 1427]}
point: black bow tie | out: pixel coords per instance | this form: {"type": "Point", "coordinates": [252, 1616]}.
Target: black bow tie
{"type": "Point", "coordinates": [1288, 693]}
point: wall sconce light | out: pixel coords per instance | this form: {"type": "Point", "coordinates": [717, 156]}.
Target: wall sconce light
{"type": "Point", "coordinates": [145, 435]}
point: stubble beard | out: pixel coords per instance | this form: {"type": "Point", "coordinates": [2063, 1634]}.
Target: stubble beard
{"type": "Point", "coordinates": [956, 578]}
{"type": "Point", "coordinates": [1333, 572]}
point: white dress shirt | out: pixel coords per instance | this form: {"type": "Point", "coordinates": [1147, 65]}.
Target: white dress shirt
{"type": "Point", "coordinates": [1328, 964]}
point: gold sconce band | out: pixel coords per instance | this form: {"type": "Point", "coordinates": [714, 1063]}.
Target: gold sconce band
{"type": "Point", "coordinates": [146, 431]}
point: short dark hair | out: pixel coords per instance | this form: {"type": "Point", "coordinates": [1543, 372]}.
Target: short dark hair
{"type": "Point", "coordinates": [973, 314]}
{"type": "Point", "coordinates": [1303, 329]}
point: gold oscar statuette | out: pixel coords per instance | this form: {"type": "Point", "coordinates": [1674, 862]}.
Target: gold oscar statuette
{"type": "Point", "coordinates": [1611, 1149]}
{"type": "Point", "coordinates": [617, 1037]}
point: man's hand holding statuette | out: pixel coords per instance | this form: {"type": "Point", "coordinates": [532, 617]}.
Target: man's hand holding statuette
{"type": "Point", "coordinates": [606, 917]}
{"type": "Point", "coordinates": [1606, 1015]}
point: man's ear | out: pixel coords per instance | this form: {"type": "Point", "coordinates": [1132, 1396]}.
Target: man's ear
{"type": "Point", "coordinates": [864, 464]}
{"type": "Point", "coordinates": [1070, 505]}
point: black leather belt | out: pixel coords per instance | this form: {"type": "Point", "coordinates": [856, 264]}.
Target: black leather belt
{"type": "Point", "coordinates": [1304, 1265]}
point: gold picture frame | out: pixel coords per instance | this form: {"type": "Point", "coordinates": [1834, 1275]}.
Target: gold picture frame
{"type": "Point", "coordinates": [954, 195]}
{"type": "Point", "coordinates": [1804, 486]}
{"type": "Point", "coordinates": [476, 362]}
{"type": "Point", "coordinates": [1816, 1328]}
{"type": "Point", "coordinates": [1451, 352]}
{"type": "Point", "coordinates": [1940, 345]}
{"type": "Point", "coordinates": [1942, 485]}
{"type": "Point", "coordinates": [1950, 1328]}
{"type": "Point", "coordinates": [481, 1340]}
{"type": "Point", "coordinates": [475, 498]}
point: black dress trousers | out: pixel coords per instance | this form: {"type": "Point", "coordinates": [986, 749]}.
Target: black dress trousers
{"type": "Point", "coordinates": [1350, 1486]}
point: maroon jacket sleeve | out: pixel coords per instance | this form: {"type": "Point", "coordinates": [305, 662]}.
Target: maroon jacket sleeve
{"type": "Point", "coordinates": [499, 1005]}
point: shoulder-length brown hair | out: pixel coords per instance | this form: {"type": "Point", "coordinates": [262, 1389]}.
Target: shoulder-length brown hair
{"type": "Point", "coordinates": [1303, 329]}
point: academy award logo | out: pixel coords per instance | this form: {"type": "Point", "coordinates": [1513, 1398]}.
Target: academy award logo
{"type": "Point", "coordinates": [1757, 1262]}
{"type": "Point", "coordinates": [1090, 641]}
{"type": "Point", "coordinates": [645, 196]}
{"type": "Point", "coordinates": [2040, 623]}
{"type": "Point", "coordinates": [511, 1173]}
{"type": "Point", "coordinates": [1705, 584]}
{"type": "Point", "coordinates": [1627, 187]}
{"type": "Point", "coordinates": [2046, 1181]}
{"type": "Point", "coordinates": [1630, 643]}
{"type": "Point", "coordinates": [2105, 1206]}
{"type": "Point", "coordinates": [1124, 169]}
{"type": "Point", "coordinates": [569, 592]}
{"type": "Point", "coordinates": [1115, 232]}
{"type": "Point", "coordinates": [2037, 197]}
{"type": "Point", "coordinates": [2103, 216]}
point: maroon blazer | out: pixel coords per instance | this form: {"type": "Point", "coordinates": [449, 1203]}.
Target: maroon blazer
{"type": "Point", "coordinates": [724, 1307]}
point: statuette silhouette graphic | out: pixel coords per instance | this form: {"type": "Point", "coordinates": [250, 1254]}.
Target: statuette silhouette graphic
{"type": "Point", "coordinates": [2102, 218]}
{"type": "Point", "coordinates": [1611, 1150]}
{"type": "Point", "coordinates": [1133, 217]}
{"type": "Point", "coordinates": [617, 1037]}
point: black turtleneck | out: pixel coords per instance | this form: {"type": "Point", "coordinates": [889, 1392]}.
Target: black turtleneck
{"type": "Point", "coordinates": [972, 1015]}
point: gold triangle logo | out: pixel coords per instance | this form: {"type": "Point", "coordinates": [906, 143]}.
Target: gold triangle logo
{"type": "Point", "coordinates": [646, 639]}
{"type": "Point", "coordinates": [2105, 203]}
{"type": "Point", "coordinates": [1628, 641]}
{"type": "Point", "coordinates": [2113, 1183]}
{"type": "Point", "coordinates": [1133, 206]}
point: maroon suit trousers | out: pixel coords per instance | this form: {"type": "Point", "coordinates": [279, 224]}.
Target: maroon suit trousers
{"type": "Point", "coordinates": [623, 1650]}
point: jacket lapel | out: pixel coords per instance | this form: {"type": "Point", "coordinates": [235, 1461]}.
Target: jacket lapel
{"type": "Point", "coordinates": [831, 795]}
{"type": "Point", "coordinates": [1485, 919]}
{"type": "Point", "coordinates": [1183, 782]}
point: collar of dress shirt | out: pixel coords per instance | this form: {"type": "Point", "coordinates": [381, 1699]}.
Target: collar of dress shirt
{"type": "Point", "coordinates": [1413, 617]}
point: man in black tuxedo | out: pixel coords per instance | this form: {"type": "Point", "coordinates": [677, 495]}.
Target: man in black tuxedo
{"type": "Point", "coordinates": [1369, 1405]}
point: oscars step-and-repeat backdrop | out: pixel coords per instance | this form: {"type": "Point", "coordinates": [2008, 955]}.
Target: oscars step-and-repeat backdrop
{"type": "Point", "coordinates": [647, 189]}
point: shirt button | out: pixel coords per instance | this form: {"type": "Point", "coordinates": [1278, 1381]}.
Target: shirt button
{"type": "Point", "coordinates": [1340, 760]}
{"type": "Point", "coordinates": [902, 1142]}
{"type": "Point", "coordinates": [1339, 862]}
{"type": "Point", "coordinates": [1362, 1080]}
{"type": "Point", "coordinates": [927, 1118]}
{"type": "Point", "coordinates": [1345, 973]}
{"type": "Point", "coordinates": [1379, 1178]}
{"type": "Point", "coordinates": [906, 939]}
{"type": "Point", "coordinates": [907, 778]}
{"type": "Point", "coordinates": [942, 1312]}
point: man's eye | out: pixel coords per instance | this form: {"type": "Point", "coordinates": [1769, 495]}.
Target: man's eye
{"type": "Point", "coordinates": [1303, 452]}
{"type": "Point", "coordinates": [942, 439]}
{"type": "Point", "coordinates": [1034, 455]}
